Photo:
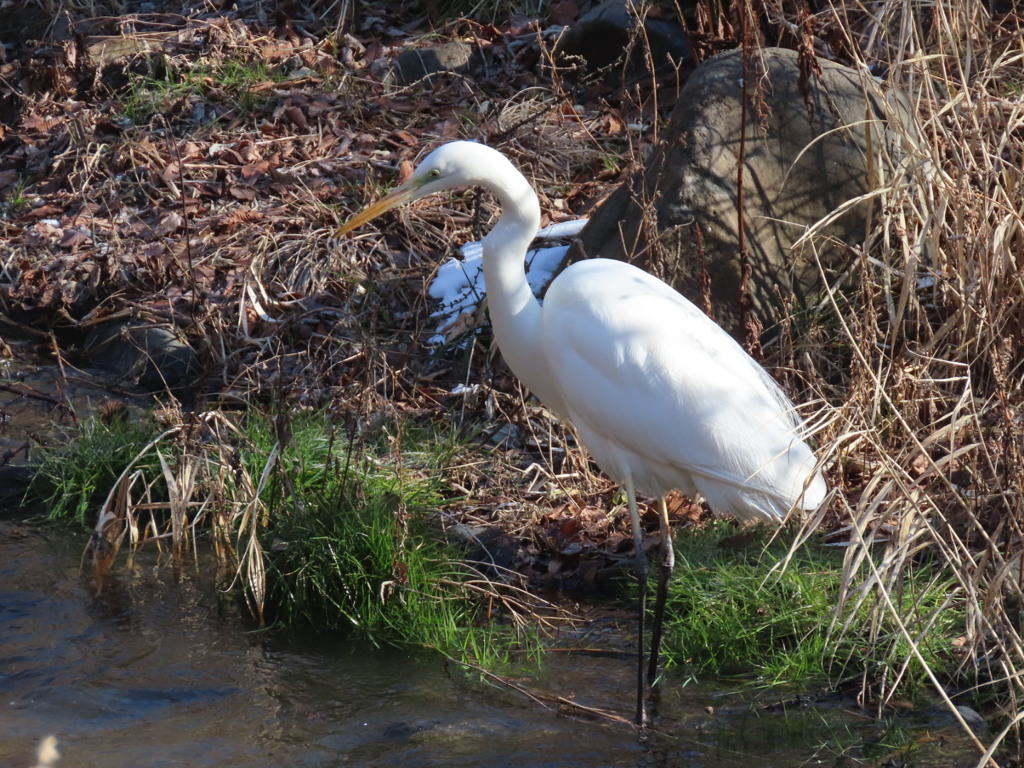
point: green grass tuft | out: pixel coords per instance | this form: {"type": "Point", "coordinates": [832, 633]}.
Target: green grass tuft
{"type": "Point", "coordinates": [355, 547]}
{"type": "Point", "coordinates": [355, 564]}
{"type": "Point", "coordinates": [236, 87]}
{"type": "Point", "coordinates": [731, 611]}
{"type": "Point", "coordinates": [72, 479]}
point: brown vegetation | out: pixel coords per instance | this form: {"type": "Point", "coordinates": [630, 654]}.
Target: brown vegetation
{"type": "Point", "coordinates": [135, 179]}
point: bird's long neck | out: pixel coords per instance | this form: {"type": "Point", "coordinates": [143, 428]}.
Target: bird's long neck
{"type": "Point", "coordinates": [515, 311]}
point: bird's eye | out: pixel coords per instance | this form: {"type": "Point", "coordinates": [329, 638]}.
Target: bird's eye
{"type": "Point", "coordinates": [434, 173]}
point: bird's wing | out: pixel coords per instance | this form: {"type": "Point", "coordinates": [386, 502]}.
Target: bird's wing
{"type": "Point", "coordinates": [642, 369]}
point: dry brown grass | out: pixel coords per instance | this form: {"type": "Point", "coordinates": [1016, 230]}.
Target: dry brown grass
{"type": "Point", "coordinates": [911, 365]}
{"type": "Point", "coordinates": [922, 423]}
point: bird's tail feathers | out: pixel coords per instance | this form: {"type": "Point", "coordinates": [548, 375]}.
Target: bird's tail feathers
{"type": "Point", "coordinates": [749, 504]}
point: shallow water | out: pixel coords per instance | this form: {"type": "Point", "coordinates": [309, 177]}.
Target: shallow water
{"type": "Point", "coordinates": [159, 671]}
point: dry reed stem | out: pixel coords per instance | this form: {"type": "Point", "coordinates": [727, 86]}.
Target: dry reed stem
{"type": "Point", "coordinates": [925, 433]}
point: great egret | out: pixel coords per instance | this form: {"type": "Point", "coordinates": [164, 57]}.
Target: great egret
{"type": "Point", "coordinates": [660, 395]}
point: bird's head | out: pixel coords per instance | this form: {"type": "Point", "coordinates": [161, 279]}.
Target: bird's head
{"type": "Point", "coordinates": [456, 164]}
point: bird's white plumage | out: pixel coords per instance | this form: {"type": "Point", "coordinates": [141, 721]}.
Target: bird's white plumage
{"type": "Point", "coordinates": [661, 396]}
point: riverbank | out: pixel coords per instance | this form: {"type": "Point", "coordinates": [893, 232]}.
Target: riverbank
{"type": "Point", "coordinates": [174, 196]}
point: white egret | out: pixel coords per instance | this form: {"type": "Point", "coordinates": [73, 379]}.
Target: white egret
{"type": "Point", "coordinates": [660, 395]}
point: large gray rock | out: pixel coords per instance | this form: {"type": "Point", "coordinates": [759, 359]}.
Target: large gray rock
{"type": "Point", "coordinates": [422, 63]}
{"type": "Point", "coordinates": [806, 152]}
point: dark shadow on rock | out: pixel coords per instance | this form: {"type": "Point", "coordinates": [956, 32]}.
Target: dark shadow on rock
{"type": "Point", "coordinates": [611, 39]}
{"type": "Point", "coordinates": [153, 356]}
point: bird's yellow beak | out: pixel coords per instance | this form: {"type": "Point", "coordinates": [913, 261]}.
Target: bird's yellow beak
{"type": "Point", "coordinates": [403, 194]}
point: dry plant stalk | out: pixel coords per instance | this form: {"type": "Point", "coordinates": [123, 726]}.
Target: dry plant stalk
{"type": "Point", "coordinates": [197, 493]}
{"type": "Point", "coordinates": [925, 430]}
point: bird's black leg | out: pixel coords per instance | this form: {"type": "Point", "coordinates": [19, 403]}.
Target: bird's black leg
{"type": "Point", "coordinates": [667, 561]}
{"type": "Point", "coordinates": [641, 574]}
